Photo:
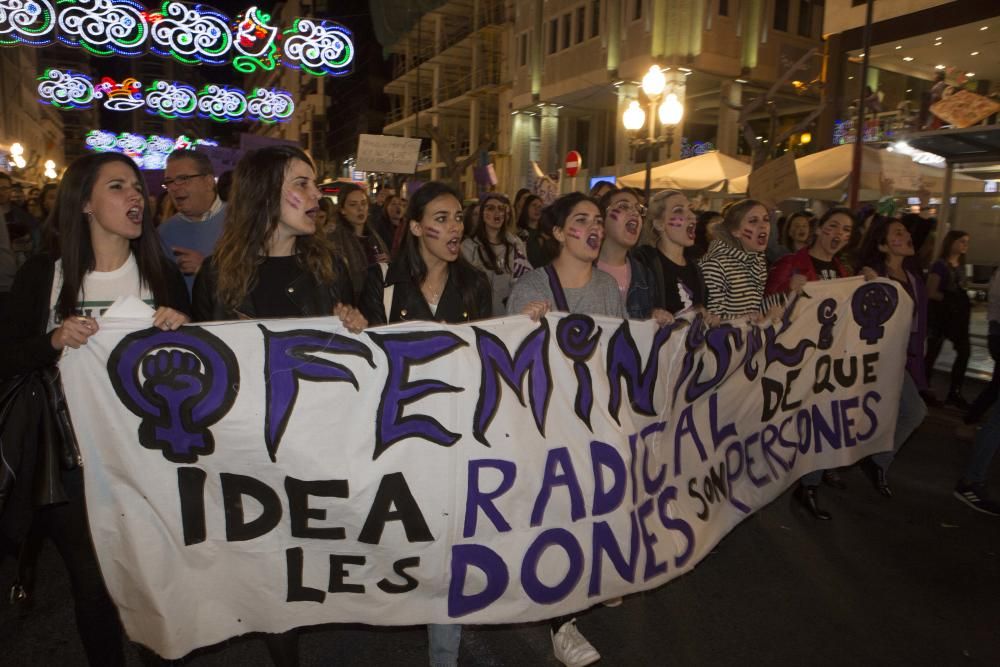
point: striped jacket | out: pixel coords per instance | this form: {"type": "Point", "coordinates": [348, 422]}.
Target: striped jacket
{"type": "Point", "coordinates": [734, 280]}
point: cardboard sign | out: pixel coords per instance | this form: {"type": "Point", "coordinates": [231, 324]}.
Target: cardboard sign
{"type": "Point", "coordinates": [393, 155]}
{"type": "Point", "coordinates": [776, 181]}
{"type": "Point", "coordinates": [964, 108]}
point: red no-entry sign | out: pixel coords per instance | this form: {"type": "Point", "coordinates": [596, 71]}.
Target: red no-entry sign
{"type": "Point", "coordinates": [573, 163]}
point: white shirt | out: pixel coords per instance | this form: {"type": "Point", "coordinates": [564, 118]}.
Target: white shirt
{"type": "Point", "coordinates": [99, 290]}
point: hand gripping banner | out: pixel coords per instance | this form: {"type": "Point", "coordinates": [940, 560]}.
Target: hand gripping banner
{"type": "Point", "coordinates": [265, 475]}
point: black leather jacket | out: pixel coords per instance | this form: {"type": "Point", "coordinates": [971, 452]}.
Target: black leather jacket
{"type": "Point", "coordinates": [474, 302]}
{"type": "Point", "coordinates": [310, 297]}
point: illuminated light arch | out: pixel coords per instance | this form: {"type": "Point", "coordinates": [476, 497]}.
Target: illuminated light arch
{"type": "Point", "coordinates": [255, 41]}
{"type": "Point", "coordinates": [67, 90]}
{"type": "Point", "coordinates": [30, 22]}
{"type": "Point", "coordinates": [104, 27]}
{"type": "Point", "coordinates": [171, 99]}
{"type": "Point", "coordinates": [318, 47]}
{"type": "Point", "coordinates": [191, 34]}
{"type": "Point", "coordinates": [222, 104]}
{"type": "Point", "coordinates": [148, 152]}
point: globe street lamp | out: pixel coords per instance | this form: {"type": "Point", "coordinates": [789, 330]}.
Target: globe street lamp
{"type": "Point", "coordinates": [670, 114]}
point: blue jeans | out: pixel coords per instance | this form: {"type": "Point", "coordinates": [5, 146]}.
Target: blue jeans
{"type": "Point", "coordinates": [443, 642]}
{"type": "Point", "coordinates": [912, 412]}
{"type": "Point", "coordinates": [987, 443]}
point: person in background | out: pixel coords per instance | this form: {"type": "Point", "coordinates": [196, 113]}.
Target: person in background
{"type": "Point", "coordinates": [470, 220]}
{"type": "Point", "coordinates": [225, 185]}
{"type": "Point", "coordinates": [678, 283]}
{"type": "Point", "coordinates": [393, 210]}
{"type": "Point", "coordinates": [797, 231]}
{"type": "Point", "coordinates": [430, 281]}
{"type": "Point", "coordinates": [623, 226]}
{"type": "Point", "coordinates": [601, 188]}
{"type": "Point", "coordinates": [704, 234]}
{"type": "Point", "coordinates": [734, 267]}
{"type": "Point", "coordinates": [190, 235]}
{"type": "Point", "coordinates": [495, 250]}
{"type": "Point", "coordinates": [883, 252]}
{"type": "Point", "coordinates": [570, 284]}
{"type": "Point", "coordinates": [356, 242]}
{"type": "Point", "coordinates": [816, 261]}
{"type": "Point", "coordinates": [971, 488]}
{"type": "Point", "coordinates": [991, 392]}
{"type": "Point", "coordinates": [14, 225]}
{"type": "Point", "coordinates": [529, 231]}
{"type": "Point", "coordinates": [326, 215]}
{"type": "Point", "coordinates": [108, 250]}
{"type": "Point", "coordinates": [519, 200]}
{"type": "Point", "coordinates": [949, 313]}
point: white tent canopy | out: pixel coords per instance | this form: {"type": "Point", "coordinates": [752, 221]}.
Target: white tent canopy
{"type": "Point", "coordinates": [708, 172]}
{"type": "Point", "coordinates": [827, 175]}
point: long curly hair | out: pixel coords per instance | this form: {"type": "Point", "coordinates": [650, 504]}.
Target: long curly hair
{"type": "Point", "coordinates": [252, 215]}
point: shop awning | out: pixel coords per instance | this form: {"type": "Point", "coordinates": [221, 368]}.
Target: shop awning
{"type": "Point", "coordinates": [980, 143]}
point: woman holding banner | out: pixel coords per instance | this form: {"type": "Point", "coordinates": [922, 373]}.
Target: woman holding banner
{"type": "Point", "coordinates": [108, 249]}
{"type": "Point", "coordinates": [816, 261]}
{"type": "Point", "coordinates": [570, 284]}
{"type": "Point", "coordinates": [430, 281]}
{"type": "Point", "coordinates": [270, 262]}
{"type": "Point", "coordinates": [886, 245]}
{"type": "Point", "coordinates": [735, 268]}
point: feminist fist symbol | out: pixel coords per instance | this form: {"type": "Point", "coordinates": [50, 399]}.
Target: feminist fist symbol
{"type": "Point", "coordinates": [188, 381]}
{"type": "Point", "coordinates": [872, 305]}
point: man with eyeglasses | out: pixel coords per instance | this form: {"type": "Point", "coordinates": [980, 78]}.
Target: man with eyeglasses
{"type": "Point", "coordinates": [190, 235]}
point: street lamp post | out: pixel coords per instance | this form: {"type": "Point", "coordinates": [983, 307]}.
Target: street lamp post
{"type": "Point", "coordinates": [670, 114]}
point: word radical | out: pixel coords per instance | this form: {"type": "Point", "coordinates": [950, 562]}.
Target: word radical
{"type": "Point", "coordinates": [191, 34]}
{"type": "Point", "coordinates": [170, 99]}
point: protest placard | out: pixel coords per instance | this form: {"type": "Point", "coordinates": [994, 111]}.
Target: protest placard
{"type": "Point", "coordinates": [775, 181]}
{"type": "Point", "coordinates": [393, 155]}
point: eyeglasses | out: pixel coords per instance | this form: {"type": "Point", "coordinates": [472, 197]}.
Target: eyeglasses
{"type": "Point", "coordinates": [179, 180]}
{"type": "Point", "coordinates": [628, 207]}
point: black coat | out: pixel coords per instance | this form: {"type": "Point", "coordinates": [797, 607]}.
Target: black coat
{"type": "Point", "coordinates": [467, 296]}
{"type": "Point", "coordinates": [310, 297]}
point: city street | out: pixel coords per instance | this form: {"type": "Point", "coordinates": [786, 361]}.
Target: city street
{"type": "Point", "coordinates": [909, 581]}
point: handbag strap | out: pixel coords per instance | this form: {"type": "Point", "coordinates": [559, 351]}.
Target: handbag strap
{"type": "Point", "coordinates": [557, 289]}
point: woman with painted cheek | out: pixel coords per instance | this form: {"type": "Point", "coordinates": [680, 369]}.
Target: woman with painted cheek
{"type": "Point", "coordinates": [679, 282]}
{"type": "Point", "coordinates": [570, 284]}
{"type": "Point", "coordinates": [107, 249]}
{"type": "Point", "coordinates": [270, 262]}
{"type": "Point", "coordinates": [734, 268]}
{"type": "Point", "coordinates": [623, 226]}
{"type": "Point", "coordinates": [430, 280]}
{"type": "Point", "coordinates": [886, 245]}
{"type": "Point", "coordinates": [949, 312]}
{"type": "Point", "coordinates": [495, 250]}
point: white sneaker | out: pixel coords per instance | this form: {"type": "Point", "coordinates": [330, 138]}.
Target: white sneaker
{"type": "Point", "coordinates": [571, 648]}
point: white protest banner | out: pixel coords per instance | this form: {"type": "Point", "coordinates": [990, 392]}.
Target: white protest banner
{"type": "Point", "coordinates": [394, 155]}
{"type": "Point", "coordinates": [266, 475]}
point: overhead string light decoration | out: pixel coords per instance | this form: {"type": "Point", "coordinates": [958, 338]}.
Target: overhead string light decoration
{"type": "Point", "coordinates": [30, 22]}
{"type": "Point", "coordinates": [170, 99]}
{"type": "Point", "coordinates": [148, 152]}
{"type": "Point", "coordinates": [189, 33]}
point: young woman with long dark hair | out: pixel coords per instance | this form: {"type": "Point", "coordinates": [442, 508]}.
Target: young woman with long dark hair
{"type": "Point", "coordinates": [884, 249]}
{"type": "Point", "coordinates": [623, 228]}
{"type": "Point", "coordinates": [430, 280]}
{"type": "Point", "coordinates": [107, 249]}
{"type": "Point", "coordinates": [949, 312]}
{"type": "Point", "coordinates": [495, 250]}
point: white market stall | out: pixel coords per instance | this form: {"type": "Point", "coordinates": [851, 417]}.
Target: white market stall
{"type": "Point", "coordinates": [708, 172]}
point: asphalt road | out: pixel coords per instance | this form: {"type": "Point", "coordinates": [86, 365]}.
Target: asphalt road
{"type": "Point", "coordinates": [914, 580]}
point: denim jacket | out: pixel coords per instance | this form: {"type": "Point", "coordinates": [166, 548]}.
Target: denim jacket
{"type": "Point", "coordinates": [641, 291]}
